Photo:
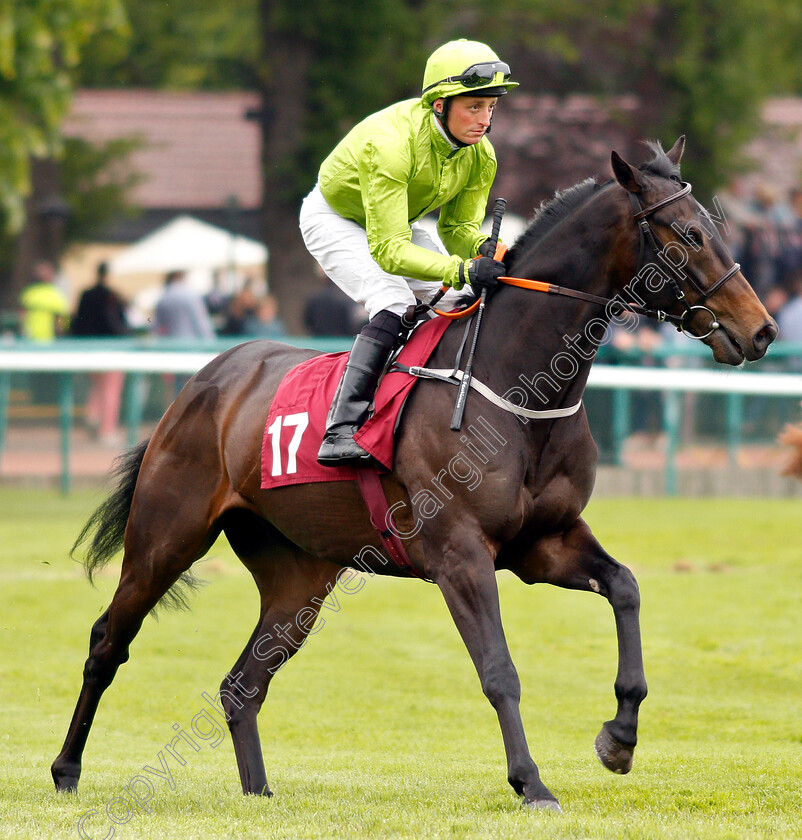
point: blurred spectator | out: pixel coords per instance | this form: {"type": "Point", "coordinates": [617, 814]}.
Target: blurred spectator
{"type": "Point", "coordinates": [101, 311]}
{"type": "Point", "coordinates": [765, 237]}
{"type": "Point", "coordinates": [774, 300]}
{"type": "Point", "coordinates": [763, 242]}
{"type": "Point", "coordinates": [217, 302]}
{"type": "Point", "coordinates": [101, 314]}
{"type": "Point", "coordinates": [789, 318]}
{"type": "Point", "coordinates": [331, 312]}
{"type": "Point", "coordinates": [264, 322]}
{"type": "Point", "coordinates": [181, 313]}
{"type": "Point", "coordinates": [741, 219]}
{"type": "Point", "coordinates": [770, 245]}
{"type": "Point", "coordinates": [794, 258]}
{"type": "Point", "coordinates": [241, 308]}
{"type": "Point", "coordinates": [45, 308]}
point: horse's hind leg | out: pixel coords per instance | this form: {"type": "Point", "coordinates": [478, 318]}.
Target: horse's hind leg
{"type": "Point", "coordinates": [292, 586]}
{"type": "Point", "coordinates": [575, 560]}
{"type": "Point", "coordinates": [161, 543]}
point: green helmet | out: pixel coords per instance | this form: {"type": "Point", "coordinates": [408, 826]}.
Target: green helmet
{"type": "Point", "coordinates": [464, 67]}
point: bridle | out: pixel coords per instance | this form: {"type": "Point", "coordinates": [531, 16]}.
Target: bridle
{"type": "Point", "coordinates": [648, 239]}
{"type": "Point", "coordinates": [675, 273]}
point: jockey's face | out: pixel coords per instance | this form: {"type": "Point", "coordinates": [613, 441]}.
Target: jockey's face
{"type": "Point", "coordinates": [469, 116]}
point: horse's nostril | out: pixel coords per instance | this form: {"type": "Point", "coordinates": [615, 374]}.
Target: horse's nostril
{"type": "Point", "coordinates": [765, 335]}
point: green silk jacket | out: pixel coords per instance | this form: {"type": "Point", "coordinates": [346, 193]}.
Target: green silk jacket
{"type": "Point", "coordinates": [395, 167]}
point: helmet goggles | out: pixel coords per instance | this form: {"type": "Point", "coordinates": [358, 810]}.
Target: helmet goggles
{"type": "Point", "coordinates": [476, 75]}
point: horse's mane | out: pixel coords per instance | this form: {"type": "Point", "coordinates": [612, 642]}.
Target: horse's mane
{"type": "Point", "coordinates": [564, 202]}
{"type": "Point", "coordinates": [552, 211]}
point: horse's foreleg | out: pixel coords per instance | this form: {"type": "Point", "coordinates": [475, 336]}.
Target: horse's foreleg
{"type": "Point", "coordinates": [575, 560]}
{"type": "Point", "coordinates": [472, 597]}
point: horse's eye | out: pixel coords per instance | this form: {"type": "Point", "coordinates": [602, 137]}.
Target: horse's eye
{"type": "Point", "coordinates": [694, 236]}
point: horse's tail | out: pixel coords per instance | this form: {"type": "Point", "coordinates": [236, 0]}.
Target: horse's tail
{"type": "Point", "coordinates": [104, 532]}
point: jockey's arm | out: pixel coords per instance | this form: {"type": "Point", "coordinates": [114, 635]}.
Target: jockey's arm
{"type": "Point", "coordinates": [384, 187]}
{"type": "Point", "coordinates": [461, 218]}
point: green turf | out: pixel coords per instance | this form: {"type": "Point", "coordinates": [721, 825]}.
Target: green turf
{"type": "Point", "coordinates": [378, 729]}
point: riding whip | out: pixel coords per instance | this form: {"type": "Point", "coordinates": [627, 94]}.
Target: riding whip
{"type": "Point", "coordinates": [465, 384]}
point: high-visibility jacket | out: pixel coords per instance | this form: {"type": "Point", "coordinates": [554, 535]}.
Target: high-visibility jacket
{"type": "Point", "coordinates": [395, 167]}
{"type": "Point", "coordinates": [43, 304]}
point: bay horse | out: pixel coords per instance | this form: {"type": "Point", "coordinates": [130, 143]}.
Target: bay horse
{"type": "Point", "coordinates": [199, 474]}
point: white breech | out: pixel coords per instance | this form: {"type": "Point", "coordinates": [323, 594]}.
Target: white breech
{"type": "Point", "coordinates": [341, 248]}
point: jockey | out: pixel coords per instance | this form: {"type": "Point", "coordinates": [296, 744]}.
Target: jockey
{"type": "Point", "coordinates": [360, 220]}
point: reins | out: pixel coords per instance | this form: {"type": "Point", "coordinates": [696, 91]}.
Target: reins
{"type": "Point", "coordinates": [576, 294]}
{"type": "Point", "coordinates": [647, 239]}
{"type": "Point", "coordinates": [553, 289]}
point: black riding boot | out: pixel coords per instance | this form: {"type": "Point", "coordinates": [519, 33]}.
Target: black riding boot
{"type": "Point", "coordinates": [355, 392]}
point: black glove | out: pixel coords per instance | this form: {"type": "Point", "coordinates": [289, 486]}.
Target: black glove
{"type": "Point", "coordinates": [483, 273]}
{"type": "Point", "coordinates": [487, 249]}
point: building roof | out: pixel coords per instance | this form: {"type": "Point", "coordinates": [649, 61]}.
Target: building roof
{"type": "Point", "coordinates": [200, 148]}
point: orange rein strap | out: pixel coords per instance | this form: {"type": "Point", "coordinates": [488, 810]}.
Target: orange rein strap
{"type": "Point", "coordinates": [458, 313]}
{"type": "Point", "coordinates": [534, 285]}
{"type": "Point", "coordinates": [501, 249]}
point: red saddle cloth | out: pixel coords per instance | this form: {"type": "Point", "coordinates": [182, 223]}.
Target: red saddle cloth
{"type": "Point", "coordinates": [297, 418]}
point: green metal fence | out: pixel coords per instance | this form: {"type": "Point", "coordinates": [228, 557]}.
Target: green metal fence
{"type": "Point", "coordinates": [622, 383]}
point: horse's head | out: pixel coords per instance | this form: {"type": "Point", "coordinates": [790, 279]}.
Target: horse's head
{"type": "Point", "coordinates": [684, 267]}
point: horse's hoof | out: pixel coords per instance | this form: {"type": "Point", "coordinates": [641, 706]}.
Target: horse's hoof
{"type": "Point", "coordinates": [262, 791]}
{"type": "Point", "coordinates": [67, 785]}
{"type": "Point", "coordinates": [65, 782]}
{"type": "Point", "coordinates": [614, 755]}
{"type": "Point", "coordinates": [544, 805]}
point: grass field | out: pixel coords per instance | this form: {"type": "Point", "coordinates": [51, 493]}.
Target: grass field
{"type": "Point", "coordinates": [378, 729]}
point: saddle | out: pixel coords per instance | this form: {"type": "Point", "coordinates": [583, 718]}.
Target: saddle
{"type": "Point", "coordinates": [297, 421]}
{"type": "Point", "coordinates": [297, 418]}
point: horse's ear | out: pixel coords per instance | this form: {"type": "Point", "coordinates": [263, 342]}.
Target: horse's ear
{"type": "Point", "coordinates": [674, 154]}
{"type": "Point", "coordinates": [626, 175]}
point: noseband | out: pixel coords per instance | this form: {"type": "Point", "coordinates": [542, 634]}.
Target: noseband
{"type": "Point", "coordinates": [676, 274]}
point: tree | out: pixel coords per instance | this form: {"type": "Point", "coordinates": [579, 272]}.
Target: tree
{"type": "Point", "coordinates": [698, 67]}
{"type": "Point", "coordinates": [324, 66]}
{"type": "Point", "coordinates": [183, 44]}
{"type": "Point", "coordinates": [96, 180]}
{"type": "Point", "coordinates": [40, 45]}
{"type": "Point", "coordinates": [717, 61]}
